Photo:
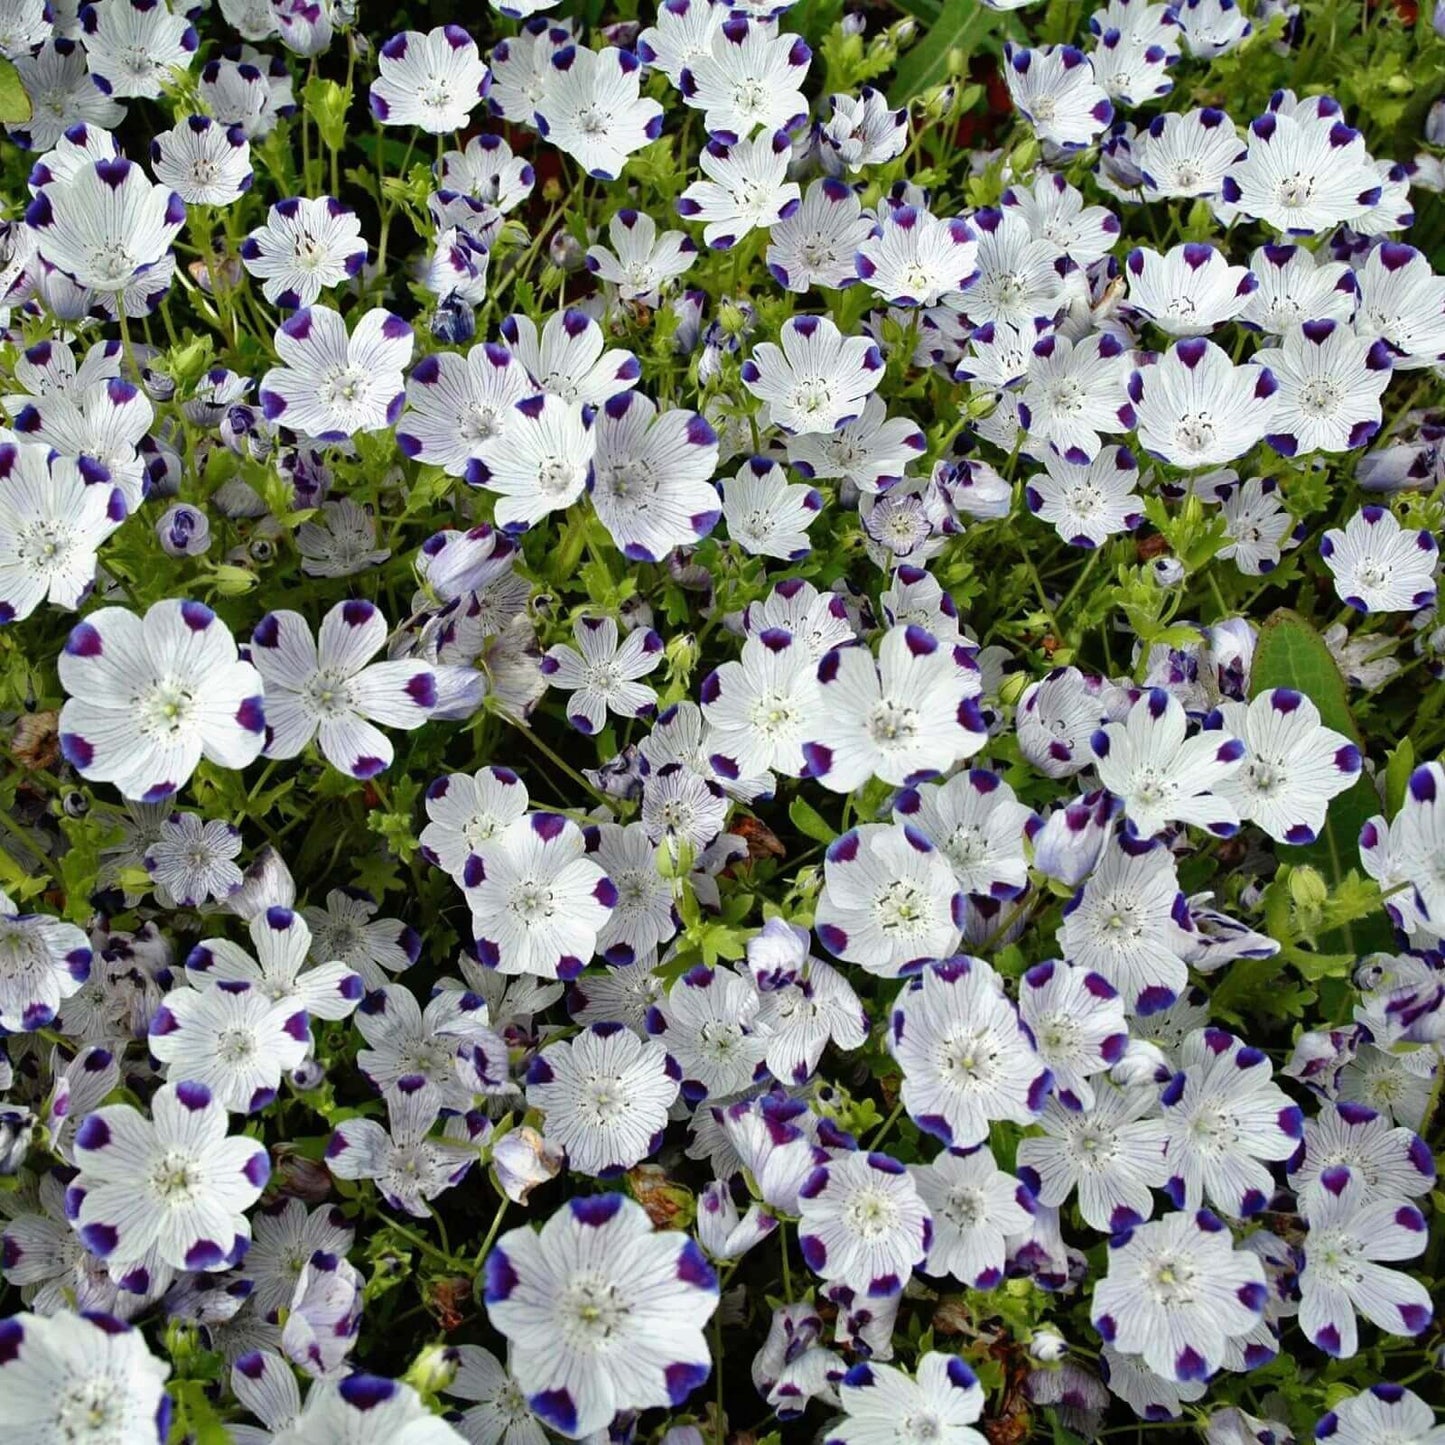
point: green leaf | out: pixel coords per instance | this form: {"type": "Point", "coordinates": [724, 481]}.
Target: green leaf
{"type": "Point", "coordinates": [1398, 767]}
{"type": "Point", "coordinates": [810, 822]}
{"type": "Point", "coordinates": [1290, 653]}
{"type": "Point", "coordinates": [14, 103]}
{"type": "Point", "coordinates": [957, 25]}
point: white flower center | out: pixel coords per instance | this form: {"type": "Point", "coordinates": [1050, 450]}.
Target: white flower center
{"type": "Point", "coordinates": [892, 723]}
{"type": "Point", "coordinates": [165, 708]}
{"type": "Point", "coordinates": [174, 1178]}
{"type": "Point", "coordinates": [902, 907]}
{"type": "Point", "coordinates": [590, 1313]}
{"type": "Point", "coordinates": [871, 1214]}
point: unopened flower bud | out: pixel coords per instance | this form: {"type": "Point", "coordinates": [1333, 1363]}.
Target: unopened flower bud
{"type": "Point", "coordinates": [1047, 1346]}
{"type": "Point", "coordinates": [183, 531]}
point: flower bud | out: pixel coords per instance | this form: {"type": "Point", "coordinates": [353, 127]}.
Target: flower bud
{"type": "Point", "coordinates": [183, 531]}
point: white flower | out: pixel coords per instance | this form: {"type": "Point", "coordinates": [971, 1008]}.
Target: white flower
{"type": "Point", "coordinates": [359, 1410]}
{"type": "Point", "coordinates": [641, 261]}
{"type": "Point", "coordinates": [205, 163]}
{"type": "Point", "coordinates": [1212, 27]}
{"type": "Point", "coordinates": [1055, 91]}
{"type": "Point", "coordinates": [1018, 274]}
{"type": "Point", "coordinates": [604, 1097]}
{"type": "Point", "coordinates": [1350, 1234]}
{"type": "Point", "coordinates": [86, 1379]}
{"type": "Point", "coordinates": [1195, 408]}
{"type": "Point", "coordinates": [329, 385]}
{"type": "Point", "coordinates": [538, 462]}
{"type": "Point", "coordinates": [590, 108]}
{"type": "Point", "coordinates": [1190, 290]}
{"type": "Point", "coordinates": [1088, 501]}
{"type": "Point", "coordinates": [602, 1313]}
{"type": "Point", "coordinates": [681, 36]}
{"type": "Point", "coordinates": [192, 859]}
{"type": "Point", "coordinates": [344, 930]}
{"type": "Point", "coordinates": [817, 379]}
{"type": "Point", "coordinates": [708, 1021]}
{"type": "Point", "coordinates": [863, 1222]}
{"type": "Point", "coordinates": [329, 689]}
{"type": "Point", "coordinates": [1257, 525]}
{"type": "Point", "coordinates": [150, 696]}
{"type": "Point", "coordinates": [1383, 1412]}
{"type": "Point", "coordinates": [1074, 391]}
{"type": "Point", "coordinates": [1056, 213]}
{"type": "Point", "coordinates": [537, 901]}
{"type": "Point", "coordinates": [746, 187]}
{"type": "Point", "coordinates": [977, 823]}
{"type": "Point", "coordinates": [42, 961]}
{"type": "Point", "coordinates": [861, 131]}
{"type": "Point", "coordinates": [466, 812]}
{"type": "Point", "coordinates": [1330, 385]}
{"type": "Point", "coordinates": [432, 81]}
{"type": "Point", "coordinates": [447, 1054]}
{"type": "Point", "coordinates": [801, 1017]}
{"type": "Point", "coordinates": [1295, 286]}
{"type": "Point", "coordinates": [967, 1060]}
{"type": "Point", "coordinates": [1392, 1163]}
{"type": "Point", "coordinates": [912, 257]}
{"type": "Point", "coordinates": [1077, 1022]}
{"type": "Point", "coordinates": [132, 46]}
{"type": "Point", "coordinates": [1292, 764]}
{"type": "Point", "coordinates": [817, 243]}
{"type": "Point", "coordinates": [766, 515]}
{"type": "Point", "coordinates": [306, 245]}
{"type": "Point", "coordinates": [939, 1404]}
{"type": "Point", "coordinates": [909, 716]}
{"type": "Point", "coordinates": [603, 676]}
{"type": "Point", "coordinates": [173, 1183]}
{"type": "Point", "coordinates": [1378, 565]}
{"type": "Point", "coordinates": [52, 521]}
{"type": "Point", "coordinates": [1137, 42]}
{"type": "Point", "coordinates": [749, 76]}
{"type": "Point", "coordinates": [497, 1412]}
{"type": "Point", "coordinates": [1177, 1292]}
{"type": "Point", "coordinates": [642, 918]}
{"type": "Point", "coordinates": [890, 902]}
{"type": "Point", "coordinates": [455, 403]}
{"type": "Point", "coordinates": [1160, 775]}
{"type": "Point", "coordinates": [1403, 301]}
{"type": "Point", "coordinates": [488, 171]}
{"type": "Point", "coordinates": [872, 451]}
{"type": "Point", "coordinates": [568, 357]}
{"type": "Point", "coordinates": [759, 710]}
{"type": "Point", "coordinates": [975, 1206]}
{"type": "Point", "coordinates": [341, 543]}
{"type": "Point", "coordinates": [1187, 153]}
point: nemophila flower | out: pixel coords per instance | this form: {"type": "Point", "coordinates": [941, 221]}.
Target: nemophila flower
{"type": "Point", "coordinates": [233, 1039]}
{"type": "Point", "coordinates": [863, 1222]}
{"type": "Point", "coordinates": [149, 697]}
{"type": "Point", "coordinates": [681, 806]}
{"type": "Point", "coordinates": [1257, 525]}
{"type": "Point", "coordinates": [468, 811]}
{"type": "Point", "coordinates": [1130, 923]}
{"type": "Point", "coordinates": [52, 522]}
{"type": "Point", "coordinates": [486, 169]}
{"type": "Point", "coordinates": [1294, 287]}
{"type": "Point", "coordinates": [590, 107]}
{"type": "Point", "coordinates": [1150, 1395]}
{"type": "Point", "coordinates": [889, 902]}
{"type": "Point", "coordinates": [42, 962]}
{"type": "Point", "coordinates": [538, 902]}
{"type": "Point", "coordinates": [205, 163]}
{"type": "Point", "coordinates": [568, 357]}
{"type": "Point", "coordinates": [816, 380]}
{"type": "Point", "coordinates": [966, 1057]}
{"type": "Point", "coordinates": [1212, 27]}
{"type": "Point", "coordinates": [448, 1051]}
{"type": "Point", "coordinates": [1054, 89]}
{"type": "Point", "coordinates": [277, 970]}
{"type": "Point", "coordinates": [306, 245]}
{"type": "Point", "coordinates": [604, 1096]}
{"type": "Point", "coordinates": [642, 918]}
{"type": "Point", "coordinates": [940, 1402]}
{"type": "Point", "coordinates": [62, 94]}
{"type": "Point", "coordinates": [816, 244]}
{"type": "Point", "coordinates": [1378, 565]}
{"type": "Point", "coordinates": [538, 462]}
{"type": "Point", "coordinates": [25, 27]}
{"type": "Point", "coordinates": [432, 81]}
{"type": "Point", "coordinates": [767, 515]}
{"type": "Point", "coordinates": [86, 1378]}
{"type": "Point", "coordinates": [1112, 1153]}
{"type": "Point", "coordinates": [106, 225]}
{"type": "Point", "coordinates": [912, 258]}
{"type": "Point", "coordinates": [192, 859]}
{"type": "Point", "coordinates": [1195, 408]}
{"type": "Point", "coordinates": [455, 402]}
{"type": "Point", "coordinates": [408, 1166]}
{"type": "Point", "coordinates": [760, 709]}
{"type": "Point", "coordinates": [521, 68]}
{"type": "Point", "coordinates": [1056, 213]}
{"type": "Point", "coordinates": [1383, 1412]}
{"type": "Point", "coordinates": [247, 89]}
{"type": "Point", "coordinates": [356, 1410]}
{"type": "Point", "coordinates": [652, 476]}
{"type": "Point", "coordinates": [1292, 765]}
{"type": "Point", "coordinates": [1137, 42]}
{"type": "Point", "coordinates": [1019, 281]}
{"type": "Point", "coordinates": [873, 451]}
{"type": "Point", "coordinates": [330, 690]}
{"type": "Point", "coordinates": [1330, 385]}
{"type": "Point", "coordinates": [341, 543]}
{"type": "Point", "coordinates": [1076, 1020]}
{"type": "Point", "coordinates": [602, 1313]}
{"type": "Point", "coordinates": [1090, 501]}
{"type": "Point", "coordinates": [681, 35]}
{"type": "Point", "coordinates": [1177, 1292]}
{"type": "Point", "coordinates": [1075, 391]}
{"type": "Point", "coordinates": [1402, 300]}
{"type": "Point", "coordinates": [1190, 290]}
{"type": "Point", "coordinates": [329, 385]}
{"type": "Point", "coordinates": [1391, 1162]}
{"type": "Point", "coordinates": [977, 823]}
{"type": "Point", "coordinates": [1352, 1237]}
{"type": "Point", "coordinates": [819, 620]}
{"type": "Point", "coordinates": [1188, 153]}
{"type": "Point", "coordinates": [1397, 1085]}
{"type": "Point", "coordinates": [603, 676]}
{"type": "Point", "coordinates": [1224, 1116]}
{"type": "Point", "coordinates": [173, 1183]}
{"type": "Point", "coordinates": [906, 717]}
{"type": "Point", "coordinates": [749, 76]}
{"type": "Point", "coordinates": [498, 1413]}
{"type": "Point", "coordinates": [861, 131]}
{"type": "Point", "coordinates": [641, 261]}
{"type": "Point", "coordinates": [1160, 775]}
{"type": "Point", "coordinates": [1057, 716]}
{"type": "Point", "coordinates": [801, 1017]}
{"type": "Point", "coordinates": [975, 1206]}
{"type": "Point", "coordinates": [346, 929]}
{"type": "Point", "coordinates": [1410, 849]}
{"type": "Point", "coordinates": [746, 188]}
{"type": "Point", "coordinates": [708, 1022]}
{"type": "Point", "coordinates": [131, 46]}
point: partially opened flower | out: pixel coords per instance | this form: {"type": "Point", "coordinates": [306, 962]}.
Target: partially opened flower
{"type": "Point", "coordinates": [603, 1314]}
{"type": "Point", "coordinates": [432, 81]}
{"type": "Point", "coordinates": [861, 130]}
{"type": "Point", "coordinates": [149, 697]}
{"type": "Point", "coordinates": [330, 690]}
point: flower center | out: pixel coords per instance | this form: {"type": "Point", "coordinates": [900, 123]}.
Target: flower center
{"type": "Point", "coordinates": [165, 709]}
{"type": "Point", "coordinates": [871, 1214]}
{"type": "Point", "coordinates": [591, 1312]}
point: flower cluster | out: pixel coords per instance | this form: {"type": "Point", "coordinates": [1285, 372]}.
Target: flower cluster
{"type": "Point", "coordinates": [723, 724]}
